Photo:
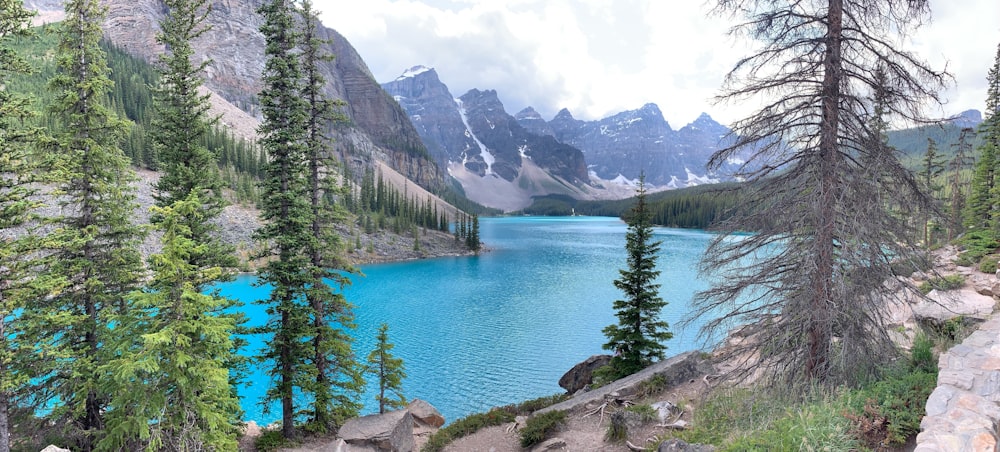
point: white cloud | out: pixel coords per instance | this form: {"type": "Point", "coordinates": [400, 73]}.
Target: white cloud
{"type": "Point", "coordinates": [598, 57]}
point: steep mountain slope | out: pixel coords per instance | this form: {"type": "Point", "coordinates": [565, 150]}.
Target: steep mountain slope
{"type": "Point", "coordinates": [377, 128]}
{"type": "Point", "coordinates": [635, 141]}
{"type": "Point", "coordinates": [498, 162]}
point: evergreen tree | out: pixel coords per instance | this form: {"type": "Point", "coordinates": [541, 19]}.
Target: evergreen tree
{"type": "Point", "coordinates": [182, 128]}
{"type": "Point", "coordinates": [97, 256]}
{"type": "Point", "coordinates": [169, 384]}
{"type": "Point", "coordinates": [637, 339]}
{"type": "Point", "coordinates": [285, 212]}
{"type": "Point", "coordinates": [984, 200]}
{"type": "Point", "coordinates": [958, 182]}
{"type": "Point", "coordinates": [389, 370]}
{"type": "Point", "coordinates": [932, 167]}
{"type": "Point", "coordinates": [20, 282]}
{"type": "Point", "coordinates": [339, 377]}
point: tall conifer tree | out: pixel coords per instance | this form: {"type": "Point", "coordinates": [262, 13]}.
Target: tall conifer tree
{"type": "Point", "coordinates": [182, 124]}
{"type": "Point", "coordinates": [637, 339]}
{"type": "Point", "coordinates": [339, 377]}
{"type": "Point", "coordinates": [285, 211]}
{"type": "Point", "coordinates": [19, 278]}
{"type": "Point", "coordinates": [98, 246]}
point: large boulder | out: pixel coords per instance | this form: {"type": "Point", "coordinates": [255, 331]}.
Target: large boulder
{"type": "Point", "coordinates": [425, 413]}
{"type": "Point", "coordinates": [392, 431]}
{"type": "Point", "coordinates": [582, 374]}
{"type": "Point", "coordinates": [941, 306]}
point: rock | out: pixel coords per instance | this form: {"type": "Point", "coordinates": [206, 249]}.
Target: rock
{"type": "Point", "coordinates": [392, 431]}
{"type": "Point", "coordinates": [677, 445]}
{"type": "Point", "coordinates": [51, 448]}
{"type": "Point", "coordinates": [664, 410]}
{"type": "Point", "coordinates": [425, 412]}
{"type": "Point", "coordinates": [940, 307]}
{"type": "Point", "coordinates": [550, 444]}
{"type": "Point", "coordinates": [582, 374]}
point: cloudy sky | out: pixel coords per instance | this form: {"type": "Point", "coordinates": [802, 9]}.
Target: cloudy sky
{"type": "Point", "coordinates": [599, 57]}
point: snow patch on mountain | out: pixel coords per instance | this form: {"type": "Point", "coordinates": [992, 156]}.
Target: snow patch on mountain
{"type": "Point", "coordinates": [413, 72]}
{"type": "Point", "coordinates": [483, 151]}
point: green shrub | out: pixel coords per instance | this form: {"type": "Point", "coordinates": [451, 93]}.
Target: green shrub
{"type": "Point", "coordinates": [897, 402]}
{"type": "Point", "coordinates": [466, 426]}
{"type": "Point", "coordinates": [976, 244]}
{"type": "Point", "coordinates": [814, 426]}
{"type": "Point", "coordinates": [530, 406]}
{"type": "Point", "coordinates": [988, 264]}
{"type": "Point", "coordinates": [653, 385]}
{"type": "Point", "coordinates": [949, 282]}
{"type": "Point", "coordinates": [538, 427]}
{"type": "Point", "coordinates": [270, 441]}
{"type": "Point", "coordinates": [497, 416]}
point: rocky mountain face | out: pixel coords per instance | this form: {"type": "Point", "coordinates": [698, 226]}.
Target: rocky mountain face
{"type": "Point", "coordinates": [475, 134]}
{"type": "Point", "coordinates": [640, 141]}
{"type": "Point", "coordinates": [377, 128]}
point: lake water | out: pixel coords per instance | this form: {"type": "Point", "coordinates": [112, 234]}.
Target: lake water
{"type": "Point", "coordinates": [502, 327]}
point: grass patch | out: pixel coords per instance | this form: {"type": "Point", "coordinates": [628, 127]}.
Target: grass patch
{"type": "Point", "coordinates": [949, 282]}
{"type": "Point", "coordinates": [538, 427]}
{"type": "Point", "coordinates": [645, 411]}
{"type": "Point", "coordinates": [497, 416]}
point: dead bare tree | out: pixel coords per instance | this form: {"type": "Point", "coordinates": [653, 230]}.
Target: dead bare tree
{"type": "Point", "coordinates": [828, 200]}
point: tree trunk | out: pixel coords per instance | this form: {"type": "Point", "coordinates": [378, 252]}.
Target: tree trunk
{"type": "Point", "coordinates": [287, 376]}
{"type": "Point", "coordinates": [820, 315]}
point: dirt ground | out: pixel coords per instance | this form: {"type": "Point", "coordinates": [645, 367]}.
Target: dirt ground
{"type": "Point", "coordinates": [585, 433]}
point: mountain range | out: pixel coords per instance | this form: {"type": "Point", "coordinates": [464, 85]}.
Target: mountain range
{"type": "Point", "coordinates": [523, 155]}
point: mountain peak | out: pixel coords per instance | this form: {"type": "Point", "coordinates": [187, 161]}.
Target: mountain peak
{"type": "Point", "coordinates": [968, 118]}
{"type": "Point", "coordinates": [527, 113]}
{"type": "Point", "coordinates": [414, 71]}
{"type": "Point", "coordinates": [563, 114]}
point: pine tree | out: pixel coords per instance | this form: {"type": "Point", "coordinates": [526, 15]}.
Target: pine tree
{"type": "Point", "coordinates": [637, 339]}
{"type": "Point", "coordinates": [182, 126]}
{"type": "Point", "coordinates": [389, 370]}
{"type": "Point", "coordinates": [169, 379]}
{"type": "Point", "coordinates": [932, 167]}
{"type": "Point", "coordinates": [983, 208]}
{"type": "Point", "coordinates": [20, 282]}
{"type": "Point", "coordinates": [97, 255]}
{"type": "Point", "coordinates": [285, 211]}
{"type": "Point", "coordinates": [339, 377]}
{"type": "Point", "coordinates": [958, 182]}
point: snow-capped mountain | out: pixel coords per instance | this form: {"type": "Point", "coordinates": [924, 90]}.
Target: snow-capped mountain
{"type": "Point", "coordinates": [636, 141]}
{"type": "Point", "coordinates": [485, 148]}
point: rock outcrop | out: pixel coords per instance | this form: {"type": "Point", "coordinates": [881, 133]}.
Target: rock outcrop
{"type": "Point", "coordinates": [582, 374]}
{"type": "Point", "coordinates": [425, 413]}
{"type": "Point", "coordinates": [392, 431]}
{"type": "Point", "coordinates": [939, 307]}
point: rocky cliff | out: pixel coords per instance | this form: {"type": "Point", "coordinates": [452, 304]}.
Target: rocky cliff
{"type": "Point", "coordinates": [377, 128]}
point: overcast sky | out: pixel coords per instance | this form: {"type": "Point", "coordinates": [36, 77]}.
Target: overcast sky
{"type": "Point", "coordinates": [599, 57]}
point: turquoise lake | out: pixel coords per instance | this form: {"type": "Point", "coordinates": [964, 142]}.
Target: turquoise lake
{"type": "Point", "coordinates": [482, 331]}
